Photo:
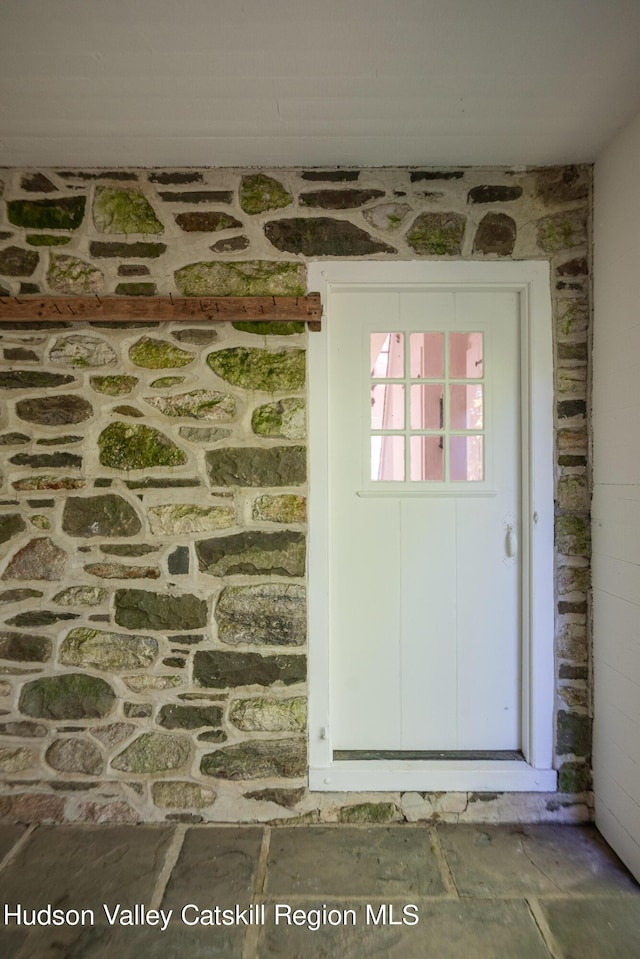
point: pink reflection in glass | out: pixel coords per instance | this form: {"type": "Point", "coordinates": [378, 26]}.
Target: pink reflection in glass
{"type": "Point", "coordinates": [465, 406]}
{"type": "Point", "coordinates": [466, 458]}
{"type": "Point", "coordinates": [466, 355]}
{"type": "Point", "coordinates": [387, 406]}
{"type": "Point", "coordinates": [427, 458]}
{"type": "Point", "coordinates": [427, 355]}
{"type": "Point", "coordinates": [427, 406]}
{"type": "Point", "coordinates": [387, 458]}
{"type": "Point", "coordinates": [387, 355]}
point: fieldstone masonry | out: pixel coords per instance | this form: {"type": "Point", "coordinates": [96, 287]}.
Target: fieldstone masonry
{"type": "Point", "coordinates": [153, 484]}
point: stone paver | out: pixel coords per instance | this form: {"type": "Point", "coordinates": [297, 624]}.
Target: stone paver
{"type": "Point", "coordinates": [82, 867]}
{"type": "Point", "coordinates": [352, 861]}
{"type": "Point", "coordinates": [447, 929]}
{"type": "Point", "coordinates": [502, 861]}
{"type": "Point", "coordinates": [216, 866]}
{"type": "Point", "coordinates": [9, 835]}
{"type": "Point", "coordinates": [596, 929]}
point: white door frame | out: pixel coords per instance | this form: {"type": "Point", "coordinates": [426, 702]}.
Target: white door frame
{"type": "Point", "coordinates": [531, 280]}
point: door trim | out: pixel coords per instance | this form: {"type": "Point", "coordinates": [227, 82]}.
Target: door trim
{"type": "Point", "coordinates": [530, 279]}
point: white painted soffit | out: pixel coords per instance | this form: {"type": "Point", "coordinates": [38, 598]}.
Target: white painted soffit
{"type": "Point", "coordinates": [328, 82]}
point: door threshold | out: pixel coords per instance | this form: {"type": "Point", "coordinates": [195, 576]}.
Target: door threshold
{"type": "Point", "coordinates": [369, 755]}
{"type": "Point", "coordinates": [431, 775]}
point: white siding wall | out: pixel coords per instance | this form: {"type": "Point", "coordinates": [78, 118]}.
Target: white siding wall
{"type": "Point", "coordinates": [616, 496]}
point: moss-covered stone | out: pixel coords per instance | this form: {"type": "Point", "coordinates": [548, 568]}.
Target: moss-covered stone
{"type": "Point", "coordinates": [113, 385]}
{"type": "Point", "coordinates": [437, 234]}
{"type": "Point", "coordinates": [39, 559]}
{"type": "Point", "coordinates": [80, 596]}
{"type": "Point", "coordinates": [259, 193]}
{"type": "Point", "coordinates": [63, 213]}
{"type": "Point", "coordinates": [272, 614]}
{"type": "Point", "coordinates": [574, 778]}
{"type": "Point", "coordinates": [24, 648]}
{"type": "Point", "coordinates": [283, 508]}
{"type": "Point", "coordinates": [387, 216]}
{"type": "Point", "coordinates": [32, 380]}
{"type": "Point", "coordinates": [173, 794]}
{"type": "Point", "coordinates": [253, 553]}
{"type": "Point", "coordinates": [125, 410]}
{"type": "Point", "coordinates": [103, 515]}
{"type": "Point", "coordinates": [563, 184]}
{"type": "Point", "coordinates": [210, 221]}
{"type": "Point", "coordinates": [270, 715]}
{"type": "Point", "coordinates": [573, 535]}
{"type": "Point", "coordinates": [164, 382]}
{"type": "Point", "coordinates": [177, 519]}
{"type": "Point", "coordinates": [139, 609]}
{"type": "Point", "coordinates": [232, 244]}
{"type": "Point", "coordinates": [70, 696]}
{"type": "Point", "coordinates": [254, 369]}
{"type": "Point", "coordinates": [107, 651]}
{"type": "Point", "coordinates": [82, 352]}
{"type": "Point", "coordinates": [17, 595]}
{"type": "Point", "coordinates": [281, 797]}
{"type": "Point", "coordinates": [58, 410]}
{"type": "Point", "coordinates": [49, 482]}
{"type": "Point", "coordinates": [269, 328]}
{"type": "Point", "coordinates": [496, 234]}
{"type": "Point", "coordinates": [285, 758]}
{"type": "Point", "coordinates": [323, 236]}
{"type": "Point", "coordinates": [69, 275]}
{"type": "Point", "coordinates": [154, 752]}
{"type": "Point", "coordinates": [246, 278]}
{"type": "Point", "coordinates": [10, 525]}
{"type": "Point", "coordinates": [370, 812]}
{"type": "Point", "coordinates": [141, 250]}
{"type": "Point", "coordinates": [197, 405]}
{"type": "Point", "coordinates": [130, 446]}
{"type": "Point", "coordinates": [154, 354]}
{"type": "Point", "coordinates": [136, 289]}
{"type": "Point", "coordinates": [573, 734]}
{"type": "Point", "coordinates": [14, 261]}
{"type": "Point", "coordinates": [173, 716]}
{"type": "Point", "coordinates": [573, 493]}
{"type": "Point", "coordinates": [283, 419]}
{"type": "Point", "coordinates": [257, 466]}
{"type": "Point", "coordinates": [562, 231]}
{"type": "Point", "coordinates": [124, 211]}
{"type": "Point", "coordinates": [226, 670]}
{"type": "Point", "coordinates": [14, 439]}
{"type": "Point", "coordinates": [44, 239]}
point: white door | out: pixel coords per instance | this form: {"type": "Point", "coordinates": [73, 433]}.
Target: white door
{"type": "Point", "coordinates": [424, 505]}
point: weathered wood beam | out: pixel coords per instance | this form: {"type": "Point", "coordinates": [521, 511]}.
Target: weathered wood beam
{"type": "Point", "coordinates": [177, 309]}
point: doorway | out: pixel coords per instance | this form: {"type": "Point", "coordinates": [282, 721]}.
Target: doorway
{"type": "Point", "coordinates": [427, 664]}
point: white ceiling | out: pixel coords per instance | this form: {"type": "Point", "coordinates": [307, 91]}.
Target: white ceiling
{"type": "Point", "coordinates": [314, 82]}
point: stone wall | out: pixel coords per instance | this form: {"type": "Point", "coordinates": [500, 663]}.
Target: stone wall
{"type": "Point", "coordinates": [153, 498]}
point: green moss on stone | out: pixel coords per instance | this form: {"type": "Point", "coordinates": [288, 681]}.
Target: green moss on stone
{"type": "Point", "coordinates": [154, 752]}
{"type": "Point", "coordinates": [269, 328]}
{"type": "Point", "coordinates": [136, 289]}
{"type": "Point", "coordinates": [124, 211]}
{"type": "Point", "coordinates": [113, 385]}
{"type": "Point", "coordinates": [246, 278]}
{"type": "Point", "coordinates": [70, 696]}
{"type": "Point", "coordinates": [268, 370]}
{"type": "Point", "coordinates": [166, 381]}
{"type": "Point", "coordinates": [573, 535]}
{"type": "Point", "coordinates": [64, 213]}
{"type": "Point", "coordinates": [287, 508]}
{"type": "Point", "coordinates": [286, 419]}
{"type": "Point", "coordinates": [574, 778]}
{"type": "Point", "coordinates": [68, 274]}
{"type": "Point", "coordinates": [437, 234]}
{"type": "Point", "coordinates": [259, 193]}
{"type": "Point", "coordinates": [158, 354]}
{"type": "Point", "coordinates": [374, 812]}
{"type": "Point", "coordinates": [257, 760]}
{"type": "Point", "coordinates": [35, 239]}
{"type": "Point", "coordinates": [130, 446]}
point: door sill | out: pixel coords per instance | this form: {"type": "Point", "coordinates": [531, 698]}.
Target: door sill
{"type": "Point", "coordinates": [442, 755]}
{"type": "Point", "coordinates": [429, 775]}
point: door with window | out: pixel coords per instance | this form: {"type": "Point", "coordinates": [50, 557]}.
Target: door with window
{"type": "Point", "coordinates": [424, 504]}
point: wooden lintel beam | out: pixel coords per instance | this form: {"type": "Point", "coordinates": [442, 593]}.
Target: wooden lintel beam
{"type": "Point", "coordinates": [177, 309]}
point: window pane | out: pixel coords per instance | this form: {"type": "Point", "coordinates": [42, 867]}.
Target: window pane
{"type": "Point", "coordinates": [387, 355]}
{"type": "Point", "coordinates": [427, 355]}
{"type": "Point", "coordinates": [427, 406]}
{"type": "Point", "coordinates": [387, 458]}
{"type": "Point", "coordinates": [387, 406]}
{"type": "Point", "coordinates": [427, 458]}
{"type": "Point", "coordinates": [466, 458]}
{"type": "Point", "coordinates": [465, 355]}
{"type": "Point", "coordinates": [465, 406]}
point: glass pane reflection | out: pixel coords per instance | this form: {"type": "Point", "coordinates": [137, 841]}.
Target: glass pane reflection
{"type": "Point", "coordinates": [466, 355]}
{"type": "Point", "coordinates": [427, 458]}
{"type": "Point", "coordinates": [465, 406]}
{"type": "Point", "coordinates": [387, 458]}
{"type": "Point", "coordinates": [387, 355]}
{"type": "Point", "coordinates": [387, 406]}
{"type": "Point", "coordinates": [466, 458]}
{"type": "Point", "coordinates": [427, 355]}
{"type": "Point", "coordinates": [427, 406]}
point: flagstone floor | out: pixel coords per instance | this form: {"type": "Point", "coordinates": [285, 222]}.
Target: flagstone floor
{"type": "Point", "coordinates": [318, 892]}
